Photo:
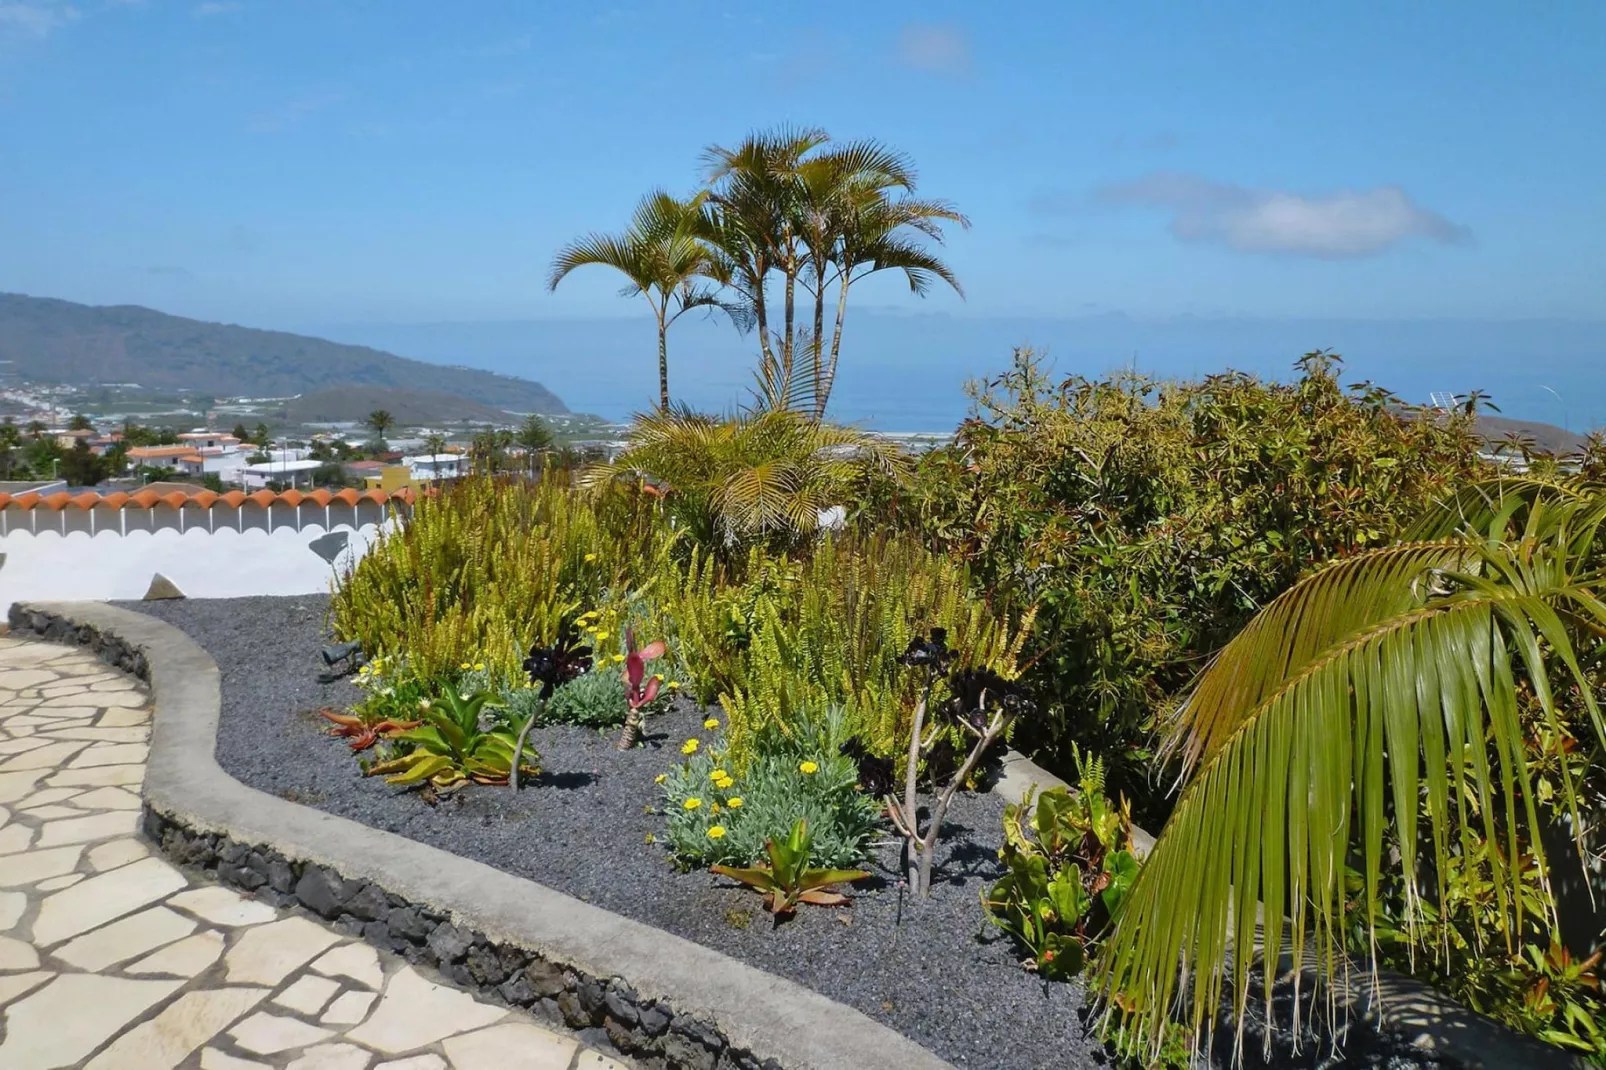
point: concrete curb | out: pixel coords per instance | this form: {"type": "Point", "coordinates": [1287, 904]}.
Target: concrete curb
{"type": "Point", "coordinates": [764, 1020]}
{"type": "Point", "coordinates": [1433, 1022]}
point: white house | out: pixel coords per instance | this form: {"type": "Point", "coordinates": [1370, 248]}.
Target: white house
{"type": "Point", "coordinates": [288, 473]}
{"type": "Point", "coordinates": [427, 468]}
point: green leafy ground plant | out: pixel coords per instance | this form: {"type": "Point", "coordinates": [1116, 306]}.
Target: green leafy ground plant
{"type": "Point", "coordinates": [788, 880]}
{"type": "Point", "coordinates": [451, 746]}
{"type": "Point", "coordinates": [1070, 864]}
{"type": "Point", "coordinates": [718, 814]}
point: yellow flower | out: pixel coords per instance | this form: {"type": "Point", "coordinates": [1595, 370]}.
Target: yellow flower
{"type": "Point", "coordinates": [716, 831]}
{"type": "Point", "coordinates": [618, 658]}
{"type": "Point", "coordinates": [673, 685]}
{"type": "Point", "coordinates": [660, 778]}
{"type": "Point", "coordinates": [590, 558]}
{"type": "Point", "coordinates": [724, 784]}
{"type": "Point", "coordinates": [463, 666]}
{"type": "Point", "coordinates": [601, 636]}
{"type": "Point", "coordinates": [717, 774]}
{"type": "Point", "coordinates": [714, 808]}
{"type": "Point", "coordinates": [693, 803]}
{"type": "Point", "coordinates": [735, 803]}
{"type": "Point", "coordinates": [711, 724]}
{"type": "Point", "coordinates": [808, 768]}
{"type": "Point", "coordinates": [689, 747]}
{"type": "Point", "coordinates": [479, 666]}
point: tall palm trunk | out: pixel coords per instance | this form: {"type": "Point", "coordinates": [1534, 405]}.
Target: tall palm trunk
{"type": "Point", "coordinates": [787, 353]}
{"type": "Point", "coordinates": [661, 310]}
{"type": "Point", "coordinates": [817, 342]}
{"type": "Point", "coordinates": [823, 395]}
{"type": "Point", "coordinates": [663, 367]}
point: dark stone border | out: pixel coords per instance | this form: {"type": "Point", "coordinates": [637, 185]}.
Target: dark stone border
{"type": "Point", "coordinates": [667, 1003]}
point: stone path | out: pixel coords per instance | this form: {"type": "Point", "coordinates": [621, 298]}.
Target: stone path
{"type": "Point", "coordinates": [112, 959]}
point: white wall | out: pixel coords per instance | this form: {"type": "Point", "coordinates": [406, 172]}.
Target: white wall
{"type": "Point", "coordinates": [60, 557]}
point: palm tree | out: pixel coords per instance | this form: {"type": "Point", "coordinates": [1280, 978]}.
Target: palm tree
{"type": "Point", "coordinates": [755, 201]}
{"type": "Point", "coordinates": [381, 421]}
{"type": "Point", "coordinates": [870, 238]}
{"type": "Point", "coordinates": [820, 214]}
{"type": "Point", "coordinates": [664, 261]}
{"type": "Point", "coordinates": [434, 445]}
{"type": "Point", "coordinates": [1380, 687]}
{"type": "Point", "coordinates": [36, 429]}
{"type": "Point", "coordinates": [762, 476]}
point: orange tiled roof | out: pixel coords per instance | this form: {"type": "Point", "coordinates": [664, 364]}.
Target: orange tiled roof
{"type": "Point", "coordinates": [205, 499]}
{"type": "Point", "coordinates": [139, 452]}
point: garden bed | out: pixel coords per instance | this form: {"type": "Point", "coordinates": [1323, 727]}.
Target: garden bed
{"type": "Point", "coordinates": [933, 970]}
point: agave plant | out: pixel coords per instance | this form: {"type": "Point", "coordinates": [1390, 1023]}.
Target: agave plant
{"type": "Point", "coordinates": [1368, 693]}
{"type": "Point", "coordinates": [788, 880]}
{"type": "Point", "coordinates": [449, 747]}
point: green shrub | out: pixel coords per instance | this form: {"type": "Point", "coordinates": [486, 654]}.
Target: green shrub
{"type": "Point", "coordinates": [758, 479]}
{"type": "Point", "coordinates": [594, 699]}
{"type": "Point", "coordinates": [480, 572]}
{"type": "Point", "coordinates": [825, 632]}
{"type": "Point", "coordinates": [801, 775]}
{"type": "Point", "coordinates": [1149, 520]}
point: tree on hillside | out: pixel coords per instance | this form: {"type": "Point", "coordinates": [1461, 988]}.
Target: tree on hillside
{"type": "Point", "coordinates": [663, 259]}
{"type": "Point", "coordinates": [36, 429]}
{"type": "Point", "coordinates": [240, 432]}
{"type": "Point", "coordinates": [535, 438]}
{"type": "Point", "coordinates": [488, 450]}
{"type": "Point", "coordinates": [381, 421]}
{"type": "Point", "coordinates": [80, 422]}
{"type": "Point", "coordinates": [262, 435]}
{"type": "Point", "coordinates": [80, 467]}
{"type": "Point", "coordinates": [10, 442]}
{"type": "Point", "coordinates": [434, 445]}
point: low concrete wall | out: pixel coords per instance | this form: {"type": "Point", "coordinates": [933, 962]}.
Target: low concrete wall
{"type": "Point", "coordinates": [671, 1002]}
{"type": "Point", "coordinates": [220, 552]}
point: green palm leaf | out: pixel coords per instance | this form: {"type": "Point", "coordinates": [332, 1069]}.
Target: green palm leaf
{"type": "Point", "coordinates": [1377, 682]}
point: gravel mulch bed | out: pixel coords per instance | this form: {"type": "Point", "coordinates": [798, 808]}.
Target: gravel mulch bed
{"type": "Point", "coordinates": [935, 970]}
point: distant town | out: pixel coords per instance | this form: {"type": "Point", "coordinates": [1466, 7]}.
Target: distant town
{"type": "Point", "coordinates": [121, 436]}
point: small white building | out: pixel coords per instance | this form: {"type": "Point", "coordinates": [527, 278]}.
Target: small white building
{"type": "Point", "coordinates": [287, 473]}
{"type": "Point", "coordinates": [426, 468]}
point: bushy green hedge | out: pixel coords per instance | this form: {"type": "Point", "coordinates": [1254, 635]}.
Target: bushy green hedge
{"type": "Point", "coordinates": [1148, 520]}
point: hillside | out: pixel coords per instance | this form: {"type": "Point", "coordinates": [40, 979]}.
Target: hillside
{"type": "Point", "coordinates": [411, 408]}
{"type": "Point", "coordinates": [63, 342]}
{"type": "Point", "coordinates": [1546, 437]}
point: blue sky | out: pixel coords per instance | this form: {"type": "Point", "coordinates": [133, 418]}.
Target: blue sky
{"type": "Point", "coordinates": [302, 162]}
{"type": "Point", "coordinates": [400, 159]}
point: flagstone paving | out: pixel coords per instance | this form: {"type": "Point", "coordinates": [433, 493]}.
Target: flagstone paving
{"type": "Point", "coordinates": [112, 959]}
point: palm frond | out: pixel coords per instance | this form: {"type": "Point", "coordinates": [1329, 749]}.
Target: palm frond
{"type": "Point", "coordinates": [1366, 694]}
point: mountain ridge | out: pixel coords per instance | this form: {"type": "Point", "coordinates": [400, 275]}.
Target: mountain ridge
{"type": "Point", "coordinates": [51, 340]}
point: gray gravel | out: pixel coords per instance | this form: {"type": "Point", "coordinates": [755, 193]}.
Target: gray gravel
{"type": "Point", "coordinates": [934, 970]}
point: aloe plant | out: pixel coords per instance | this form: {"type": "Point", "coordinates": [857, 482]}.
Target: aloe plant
{"type": "Point", "coordinates": [787, 880]}
{"type": "Point", "coordinates": [449, 748]}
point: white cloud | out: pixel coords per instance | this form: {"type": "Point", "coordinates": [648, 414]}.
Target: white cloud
{"type": "Point", "coordinates": [1348, 223]}
{"type": "Point", "coordinates": [936, 48]}
{"type": "Point", "coordinates": [36, 18]}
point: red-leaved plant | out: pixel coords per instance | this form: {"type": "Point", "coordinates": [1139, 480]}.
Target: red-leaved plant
{"type": "Point", "coordinates": [640, 688]}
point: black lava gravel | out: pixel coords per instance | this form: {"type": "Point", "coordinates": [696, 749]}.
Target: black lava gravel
{"type": "Point", "coordinates": [935, 971]}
